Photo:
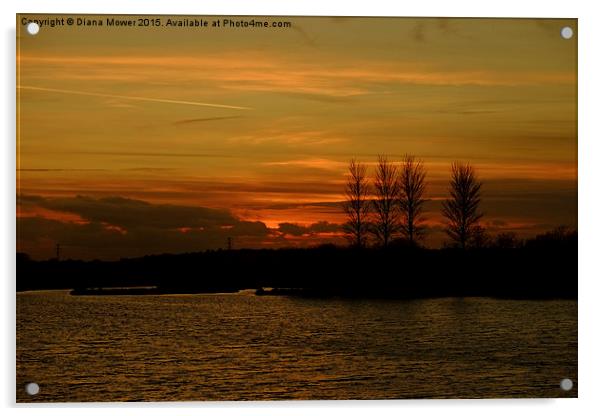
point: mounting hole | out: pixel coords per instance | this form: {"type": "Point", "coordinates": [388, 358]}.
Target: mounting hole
{"type": "Point", "coordinates": [32, 389]}
{"type": "Point", "coordinates": [566, 32]}
{"type": "Point", "coordinates": [566, 384]}
{"type": "Point", "coordinates": [33, 28]}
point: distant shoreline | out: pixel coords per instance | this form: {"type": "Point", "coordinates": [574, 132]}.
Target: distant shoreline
{"type": "Point", "coordinates": [140, 291]}
{"type": "Point", "coordinates": [284, 292]}
{"type": "Point", "coordinates": [540, 269]}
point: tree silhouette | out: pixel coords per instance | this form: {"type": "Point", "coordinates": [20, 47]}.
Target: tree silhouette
{"type": "Point", "coordinates": [506, 240]}
{"type": "Point", "coordinates": [357, 204]}
{"type": "Point", "coordinates": [480, 238]}
{"type": "Point", "coordinates": [386, 189]}
{"type": "Point", "coordinates": [462, 207]}
{"type": "Point", "coordinates": [411, 198]}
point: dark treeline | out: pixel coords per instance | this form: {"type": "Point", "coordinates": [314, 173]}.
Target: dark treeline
{"type": "Point", "coordinates": [542, 267]}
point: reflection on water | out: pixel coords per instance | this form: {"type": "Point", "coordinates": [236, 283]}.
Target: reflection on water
{"type": "Point", "coordinates": [242, 347]}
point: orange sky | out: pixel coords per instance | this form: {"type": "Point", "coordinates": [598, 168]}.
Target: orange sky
{"type": "Point", "coordinates": [255, 127]}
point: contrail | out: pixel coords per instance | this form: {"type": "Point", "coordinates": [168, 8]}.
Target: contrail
{"type": "Point", "coordinates": [128, 97]}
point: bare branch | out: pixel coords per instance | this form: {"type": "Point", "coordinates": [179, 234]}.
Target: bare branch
{"type": "Point", "coordinates": [386, 211]}
{"type": "Point", "coordinates": [411, 198]}
{"type": "Point", "coordinates": [462, 207]}
{"type": "Point", "coordinates": [357, 206]}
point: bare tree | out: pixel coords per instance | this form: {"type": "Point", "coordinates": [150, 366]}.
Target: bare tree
{"type": "Point", "coordinates": [357, 204]}
{"type": "Point", "coordinates": [462, 207]}
{"type": "Point", "coordinates": [386, 189]}
{"type": "Point", "coordinates": [506, 241]}
{"type": "Point", "coordinates": [411, 198]}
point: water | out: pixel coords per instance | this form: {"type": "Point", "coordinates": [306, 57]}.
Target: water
{"type": "Point", "coordinates": [244, 347]}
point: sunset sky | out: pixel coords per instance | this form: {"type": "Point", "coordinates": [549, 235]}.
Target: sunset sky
{"type": "Point", "coordinates": [134, 141]}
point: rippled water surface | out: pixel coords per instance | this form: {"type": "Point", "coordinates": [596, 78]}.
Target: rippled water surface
{"type": "Point", "coordinates": [243, 347]}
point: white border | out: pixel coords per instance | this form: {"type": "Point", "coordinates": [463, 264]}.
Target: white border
{"type": "Point", "coordinates": [590, 207]}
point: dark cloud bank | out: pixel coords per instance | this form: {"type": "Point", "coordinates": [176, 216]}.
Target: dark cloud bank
{"type": "Point", "coordinates": [116, 227]}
